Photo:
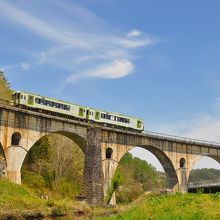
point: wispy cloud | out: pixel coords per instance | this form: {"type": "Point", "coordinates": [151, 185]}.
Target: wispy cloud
{"type": "Point", "coordinates": [23, 66]}
{"type": "Point", "coordinates": [83, 43]}
{"type": "Point", "coordinates": [114, 70]}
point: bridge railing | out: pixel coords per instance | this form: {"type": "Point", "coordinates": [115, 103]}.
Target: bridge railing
{"type": "Point", "coordinates": [204, 183]}
{"type": "Point", "coordinates": [177, 138]}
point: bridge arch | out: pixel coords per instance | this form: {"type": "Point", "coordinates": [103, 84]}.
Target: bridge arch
{"type": "Point", "coordinates": [200, 175]}
{"type": "Point", "coordinates": [53, 161]}
{"type": "Point", "coordinates": [79, 140]}
{"type": "Point", "coordinates": [16, 154]}
{"type": "Point", "coordinates": [166, 163]}
{"type": "Point", "coordinates": [111, 165]}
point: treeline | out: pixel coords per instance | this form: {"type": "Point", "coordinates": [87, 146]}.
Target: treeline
{"type": "Point", "coordinates": [204, 174]}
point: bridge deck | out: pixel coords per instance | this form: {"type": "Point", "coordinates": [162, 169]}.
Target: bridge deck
{"type": "Point", "coordinates": [150, 134]}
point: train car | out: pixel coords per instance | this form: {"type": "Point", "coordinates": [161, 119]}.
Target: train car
{"type": "Point", "coordinates": [53, 106]}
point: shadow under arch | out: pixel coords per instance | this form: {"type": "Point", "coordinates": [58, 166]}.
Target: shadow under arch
{"type": "Point", "coordinates": [80, 141]}
{"type": "Point", "coordinates": [172, 179]}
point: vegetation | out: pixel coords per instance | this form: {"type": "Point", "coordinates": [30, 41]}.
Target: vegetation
{"type": "Point", "coordinates": [5, 92]}
{"type": "Point", "coordinates": [19, 202]}
{"type": "Point", "coordinates": [54, 167]}
{"type": "Point", "coordinates": [204, 174]}
{"type": "Point", "coordinates": [172, 207]}
{"type": "Point", "coordinates": [133, 177]}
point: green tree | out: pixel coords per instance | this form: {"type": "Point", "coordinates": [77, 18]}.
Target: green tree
{"type": "Point", "coordinates": [54, 166]}
{"type": "Point", "coordinates": [5, 92]}
{"type": "Point", "coordinates": [137, 176]}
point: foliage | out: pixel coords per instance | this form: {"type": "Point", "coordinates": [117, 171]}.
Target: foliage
{"type": "Point", "coordinates": [54, 166]}
{"type": "Point", "coordinates": [116, 182]}
{"type": "Point", "coordinates": [137, 176]}
{"type": "Point", "coordinates": [5, 92]}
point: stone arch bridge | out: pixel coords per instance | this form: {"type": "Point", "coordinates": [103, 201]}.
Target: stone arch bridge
{"type": "Point", "coordinates": [103, 148]}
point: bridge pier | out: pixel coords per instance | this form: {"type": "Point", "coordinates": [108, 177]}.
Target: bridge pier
{"type": "Point", "coordinates": [109, 167]}
{"type": "Point", "coordinates": [93, 176]}
{"type": "Point", "coordinates": [14, 156]}
{"type": "Point", "coordinates": [181, 173]}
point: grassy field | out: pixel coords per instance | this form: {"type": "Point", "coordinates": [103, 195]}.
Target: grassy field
{"type": "Point", "coordinates": [172, 207]}
{"type": "Point", "coordinates": [18, 202]}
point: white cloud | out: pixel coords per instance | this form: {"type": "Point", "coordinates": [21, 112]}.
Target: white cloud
{"type": "Point", "coordinates": [133, 33]}
{"type": "Point", "coordinates": [81, 43]}
{"type": "Point", "coordinates": [114, 70]}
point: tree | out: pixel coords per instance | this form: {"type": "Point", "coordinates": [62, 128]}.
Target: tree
{"type": "Point", "coordinates": [54, 164]}
{"type": "Point", "coordinates": [5, 92]}
{"type": "Point", "coordinates": [136, 176]}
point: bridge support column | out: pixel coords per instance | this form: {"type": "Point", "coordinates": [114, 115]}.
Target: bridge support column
{"type": "Point", "coordinates": [109, 171]}
{"type": "Point", "coordinates": [14, 156]}
{"type": "Point", "coordinates": [182, 175]}
{"type": "Point", "coordinates": [93, 174]}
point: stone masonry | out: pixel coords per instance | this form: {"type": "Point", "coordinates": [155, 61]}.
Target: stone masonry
{"type": "Point", "coordinates": [93, 175]}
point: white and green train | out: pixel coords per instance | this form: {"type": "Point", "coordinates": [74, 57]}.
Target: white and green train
{"type": "Point", "coordinates": [74, 111]}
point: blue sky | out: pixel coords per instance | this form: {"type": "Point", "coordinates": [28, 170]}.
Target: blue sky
{"type": "Point", "coordinates": [154, 59]}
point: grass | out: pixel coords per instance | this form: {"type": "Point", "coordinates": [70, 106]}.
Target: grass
{"type": "Point", "coordinates": [18, 202]}
{"type": "Point", "coordinates": [172, 207]}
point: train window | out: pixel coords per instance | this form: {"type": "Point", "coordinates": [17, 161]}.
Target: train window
{"type": "Point", "coordinates": [25, 97]}
{"type": "Point", "coordinates": [21, 96]}
{"type": "Point", "coordinates": [49, 103]}
{"type": "Point", "coordinates": [54, 104]}
{"type": "Point", "coordinates": [37, 100]}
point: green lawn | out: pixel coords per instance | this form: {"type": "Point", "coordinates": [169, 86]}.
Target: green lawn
{"type": "Point", "coordinates": [173, 207]}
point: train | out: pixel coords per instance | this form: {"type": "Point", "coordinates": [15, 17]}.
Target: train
{"type": "Point", "coordinates": [43, 104]}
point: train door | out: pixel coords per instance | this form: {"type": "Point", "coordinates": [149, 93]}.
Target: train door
{"type": "Point", "coordinates": [81, 112]}
{"type": "Point", "coordinates": [97, 115]}
{"type": "Point", "coordinates": [30, 100]}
